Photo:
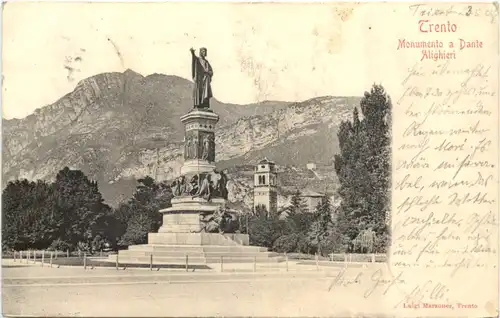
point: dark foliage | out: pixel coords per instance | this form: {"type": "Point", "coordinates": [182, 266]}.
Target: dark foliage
{"type": "Point", "coordinates": [140, 215]}
{"type": "Point", "coordinates": [363, 166]}
{"type": "Point", "coordinates": [61, 214]}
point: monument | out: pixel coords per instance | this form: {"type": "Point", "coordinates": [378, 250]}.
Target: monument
{"type": "Point", "coordinates": [198, 223]}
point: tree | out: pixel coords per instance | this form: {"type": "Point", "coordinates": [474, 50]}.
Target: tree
{"type": "Point", "coordinates": [140, 215]}
{"type": "Point", "coordinates": [363, 166]}
{"type": "Point", "coordinates": [298, 217]}
{"type": "Point", "coordinates": [264, 229]}
{"type": "Point", "coordinates": [322, 224]}
{"type": "Point", "coordinates": [260, 209]}
{"type": "Point", "coordinates": [365, 241]}
{"type": "Point", "coordinates": [29, 219]}
{"type": "Point", "coordinates": [60, 214]}
{"type": "Point", "coordinates": [294, 237]}
{"type": "Point", "coordinates": [81, 206]}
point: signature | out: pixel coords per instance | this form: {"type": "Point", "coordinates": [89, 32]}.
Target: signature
{"type": "Point", "coordinates": [342, 280]}
{"type": "Point", "coordinates": [430, 290]}
{"type": "Point", "coordinates": [378, 281]}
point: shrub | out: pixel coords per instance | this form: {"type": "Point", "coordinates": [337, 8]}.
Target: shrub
{"type": "Point", "coordinates": [286, 243]}
{"type": "Point", "coordinates": [59, 245]}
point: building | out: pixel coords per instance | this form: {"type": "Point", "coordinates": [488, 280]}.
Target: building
{"type": "Point", "coordinates": [265, 191]}
{"type": "Point", "coordinates": [311, 199]}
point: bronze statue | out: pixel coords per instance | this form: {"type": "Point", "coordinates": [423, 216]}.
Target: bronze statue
{"type": "Point", "coordinates": [179, 186]}
{"type": "Point", "coordinates": [222, 185]}
{"type": "Point", "coordinates": [208, 223]}
{"type": "Point", "coordinates": [228, 221]}
{"type": "Point", "coordinates": [206, 188]}
{"type": "Point", "coordinates": [202, 73]}
{"type": "Point", "coordinates": [221, 221]}
{"type": "Point", "coordinates": [193, 189]}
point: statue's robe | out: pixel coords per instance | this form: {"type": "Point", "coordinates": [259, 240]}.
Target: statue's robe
{"type": "Point", "coordinates": [202, 76]}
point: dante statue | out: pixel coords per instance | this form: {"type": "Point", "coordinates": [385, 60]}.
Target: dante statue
{"type": "Point", "coordinates": [202, 77]}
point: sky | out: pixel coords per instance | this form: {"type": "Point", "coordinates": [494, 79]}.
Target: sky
{"type": "Point", "coordinates": [287, 52]}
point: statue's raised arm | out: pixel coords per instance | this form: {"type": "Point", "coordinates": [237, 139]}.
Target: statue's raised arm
{"type": "Point", "coordinates": [194, 60]}
{"type": "Point", "coordinates": [202, 73]}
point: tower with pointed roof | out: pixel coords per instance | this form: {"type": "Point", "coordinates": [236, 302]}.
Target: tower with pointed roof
{"type": "Point", "coordinates": [265, 191]}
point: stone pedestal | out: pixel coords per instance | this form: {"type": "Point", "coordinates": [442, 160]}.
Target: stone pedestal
{"type": "Point", "coordinates": [180, 236]}
{"type": "Point", "coordinates": [184, 215]}
{"type": "Point", "coordinates": [199, 159]}
{"type": "Point", "coordinates": [203, 239]}
{"type": "Point", "coordinates": [199, 142]}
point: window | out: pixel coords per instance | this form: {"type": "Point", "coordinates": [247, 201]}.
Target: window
{"type": "Point", "coordinates": [263, 179]}
{"type": "Point", "coordinates": [263, 167]}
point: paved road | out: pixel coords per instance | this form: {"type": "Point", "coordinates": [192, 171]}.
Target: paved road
{"type": "Point", "coordinates": [297, 297]}
{"type": "Point", "coordinates": [35, 291]}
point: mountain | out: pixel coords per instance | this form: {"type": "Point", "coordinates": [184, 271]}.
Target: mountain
{"type": "Point", "coordinates": [118, 127]}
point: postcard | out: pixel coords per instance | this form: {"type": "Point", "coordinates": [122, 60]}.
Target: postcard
{"type": "Point", "coordinates": [250, 159]}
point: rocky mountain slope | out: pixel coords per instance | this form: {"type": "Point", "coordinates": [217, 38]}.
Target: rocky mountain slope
{"type": "Point", "coordinates": [118, 127]}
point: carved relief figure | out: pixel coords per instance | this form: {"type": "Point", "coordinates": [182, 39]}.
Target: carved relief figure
{"type": "Point", "coordinates": [211, 157]}
{"type": "Point", "coordinates": [187, 148]}
{"type": "Point", "coordinates": [195, 147]}
{"type": "Point", "coordinates": [206, 148]}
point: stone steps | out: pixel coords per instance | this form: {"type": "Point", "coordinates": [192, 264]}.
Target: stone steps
{"type": "Point", "coordinates": [176, 254]}
{"type": "Point", "coordinates": [162, 253]}
{"type": "Point", "coordinates": [195, 260]}
{"type": "Point", "coordinates": [196, 248]}
{"type": "Point", "coordinates": [157, 260]}
{"type": "Point", "coordinates": [231, 259]}
{"type": "Point", "coordinates": [126, 253]}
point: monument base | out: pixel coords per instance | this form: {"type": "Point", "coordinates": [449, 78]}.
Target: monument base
{"type": "Point", "coordinates": [196, 166]}
{"type": "Point", "coordinates": [195, 248]}
{"type": "Point", "coordinates": [184, 215]}
{"type": "Point", "coordinates": [181, 239]}
{"type": "Point", "coordinates": [201, 239]}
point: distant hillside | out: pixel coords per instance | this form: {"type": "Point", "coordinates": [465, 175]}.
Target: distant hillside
{"type": "Point", "coordinates": [118, 127]}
